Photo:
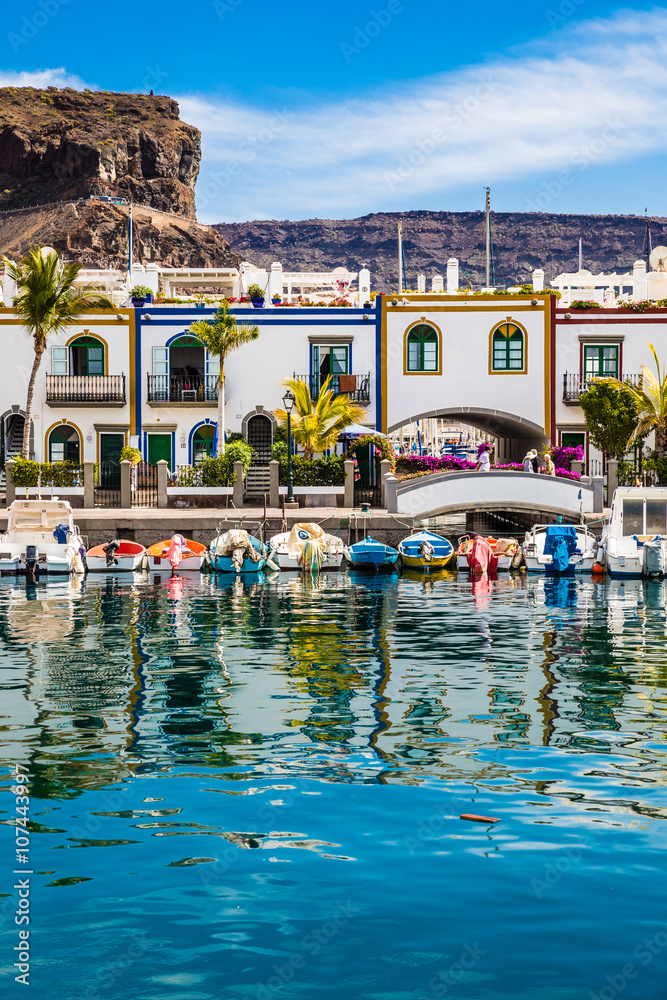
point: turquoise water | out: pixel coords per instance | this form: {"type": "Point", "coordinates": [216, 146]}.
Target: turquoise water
{"type": "Point", "coordinates": [254, 791]}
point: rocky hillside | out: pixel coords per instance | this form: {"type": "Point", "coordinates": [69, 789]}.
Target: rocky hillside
{"type": "Point", "coordinates": [59, 146]}
{"type": "Point", "coordinates": [522, 241]}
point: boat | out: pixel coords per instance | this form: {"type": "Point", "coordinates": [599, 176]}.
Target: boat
{"type": "Point", "coordinates": [306, 548]}
{"type": "Point", "coordinates": [506, 551]}
{"type": "Point", "coordinates": [118, 555]}
{"type": "Point", "coordinates": [426, 552]}
{"type": "Point", "coordinates": [237, 551]}
{"type": "Point", "coordinates": [371, 554]}
{"type": "Point", "coordinates": [41, 537]}
{"type": "Point", "coordinates": [634, 542]}
{"type": "Point", "coordinates": [559, 548]}
{"type": "Point", "coordinates": [175, 553]}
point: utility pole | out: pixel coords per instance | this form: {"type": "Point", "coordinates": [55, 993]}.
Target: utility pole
{"type": "Point", "coordinates": [400, 256]}
{"type": "Point", "coordinates": [488, 237]}
{"type": "Point", "coordinates": [129, 248]}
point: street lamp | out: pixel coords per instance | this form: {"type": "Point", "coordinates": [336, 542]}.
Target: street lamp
{"type": "Point", "coordinates": [288, 403]}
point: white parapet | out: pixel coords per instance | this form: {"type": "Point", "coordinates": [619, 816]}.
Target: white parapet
{"type": "Point", "coordinates": [639, 280]}
{"type": "Point", "coordinates": [452, 275]}
{"type": "Point", "coordinates": [538, 280]}
{"type": "Point", "coordinates": [421, 282]}
{"type": "Point", "coordinates": [437, 283]}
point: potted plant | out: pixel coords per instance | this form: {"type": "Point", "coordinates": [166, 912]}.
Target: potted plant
{"type": "Point", "coordinates": [138, 294]}
{"type": "Point", "coordinates": [256, 296]}
{"type": "Point", "coordinates": [275, 299]}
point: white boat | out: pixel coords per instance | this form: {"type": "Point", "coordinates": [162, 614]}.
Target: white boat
{"type": "Point", "coordinates": [41, 537]}
{"type": "Point", "coordinates": [559, 549]}
{"type": "Point", "coordinates": [634, 542]}
{"type": "Point", "coordinates": [119, 555]}
{"type": "Point", "coordinates": [306, 548]}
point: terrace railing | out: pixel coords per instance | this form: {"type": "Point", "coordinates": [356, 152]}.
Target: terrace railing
{"type": "Point", "coordinates": [575, 384]}
{"type": "Point", "coordinates": [360, 393]}
{"type": "Point", "coordinates": [180, 389]}
{"type": "Point", "coordinates": [81, 389]}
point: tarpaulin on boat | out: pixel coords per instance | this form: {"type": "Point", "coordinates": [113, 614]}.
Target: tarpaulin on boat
{"type": "Point", "coordinates": [560, 542]}
{"type": "Point", "coordinates": [307, 543]}
{"type": "Point", "coordinates": [481, 556]}
{"type": "Point", "coordinates": [236, 544]}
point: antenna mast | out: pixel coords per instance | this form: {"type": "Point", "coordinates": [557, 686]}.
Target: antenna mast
{"type": "Point", "coordinates": [129, 247]}
{"type": "Point", "coordinates": [581, 256]}
{"type": "Point", "coordinates": [400, 256]}
{"type": "Point", "coordinates": [488, 237]}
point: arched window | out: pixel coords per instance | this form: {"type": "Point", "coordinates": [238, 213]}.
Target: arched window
{"type": "Point", "coordinates": [422, 349]}
{"type": "Point", "coordinates": [87, 356]}
{"type": "Point", "coordinates": [508, 352]}
{"type": "Point", "coordinates": [186, 359]}
{"type": "Point", "coordinates": [64, 444]}
{"type": "Point", "coordinates": [202, 443]}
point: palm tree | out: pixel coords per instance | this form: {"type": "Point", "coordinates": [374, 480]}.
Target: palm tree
{"type": "Point", "coordinates": [317, 425]}
{"type": "Point", "coordinates": [47, 301]}
{"type": "Point", "coordinates": [221, 336]}
{"type": "Point", "coordinates": [650, 398]}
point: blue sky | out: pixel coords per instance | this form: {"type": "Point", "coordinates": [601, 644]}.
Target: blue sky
{"type": "Point", "coordinates": [339, 110]}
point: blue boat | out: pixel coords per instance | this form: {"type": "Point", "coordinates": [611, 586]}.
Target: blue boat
{"type": "Point", "coordinates": [370, 554]}
{"type": "Point", "coordinates": [237, 552]}
{"type": "Point", "coordinates": [426, 552]}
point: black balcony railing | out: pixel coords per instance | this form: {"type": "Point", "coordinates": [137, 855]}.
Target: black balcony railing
{"type": "Point", "coordinates": [574, 385]}
{"type": "Point", "coordinates": [180, 389]}
{"type": "Point", "coordinates": [85, 389]}
{"type": "Point", "coordinates": [357, 387]}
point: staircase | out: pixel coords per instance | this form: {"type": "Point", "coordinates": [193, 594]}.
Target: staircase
{"type": "Point", "coordinates": [257, 484]}
{"type": "Point", "coordinates": [15, 445]}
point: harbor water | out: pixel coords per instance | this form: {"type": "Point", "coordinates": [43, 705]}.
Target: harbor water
{"type": "Point", "coordinates": [253, 790]}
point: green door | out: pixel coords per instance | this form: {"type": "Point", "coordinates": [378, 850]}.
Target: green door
{"type": "Point", "coordinates": [159, 448]}
{"type": "Point", "coordinates": [111, 446]}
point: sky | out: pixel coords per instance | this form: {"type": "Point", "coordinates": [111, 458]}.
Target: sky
{"type": "Point", "coordinates": [336, 111]}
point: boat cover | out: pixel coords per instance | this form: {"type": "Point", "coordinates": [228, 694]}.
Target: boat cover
{"type": "Point", "coordinates": [481, 556]}
{"type": "Point", "coordinates": [237, 544]}
{"type": "Point", "coordinates": [308, 544]}
{"type": "Point", "coordinates": [560, 543]}
{"type": "Point", "coordinates": [175, 550]}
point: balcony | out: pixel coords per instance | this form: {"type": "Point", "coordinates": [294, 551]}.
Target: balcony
{"type": "Point", "coordinates": [187, 391]}
{"type": "Point", "coordinates": [85, 390]}
{"type": "Point", "coordinates": [574, 385]}
{"type": "Point", "coordinates": [357, 389]}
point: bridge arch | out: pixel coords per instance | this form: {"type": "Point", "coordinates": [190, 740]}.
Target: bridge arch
{"type": "Point", "coordinates": [514, 433]}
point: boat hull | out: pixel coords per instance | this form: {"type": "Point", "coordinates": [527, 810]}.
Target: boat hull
{"type": "Point", "coordinates": [224, 564]}
{"type": "Point", "coordinates": [124, 564]}
{"type": "Point", "coordinates": [544, 564]}
{"type": "Point", "coordinates": [371, 555]}
{"type": "Point", "coordinates": [285, 561]}
{"type": "Point", "coordinates": [424, 565]}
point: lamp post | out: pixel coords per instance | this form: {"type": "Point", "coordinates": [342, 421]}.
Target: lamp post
{"type": "Point", "coordinates": [288, 403]}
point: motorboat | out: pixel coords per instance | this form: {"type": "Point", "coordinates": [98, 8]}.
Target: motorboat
{"type": "Point", "coordinates": [371, 554]}
{"type": "Point", "coordinates": [237, 551]}
{"type": "Point", "coordinates": [306, 548]}
{"type": "Point", "coordinates": [634, 542]}
{"type": "Point", "coordinates": [506, 550]}
{"type": "Point", "coordinates": [41, 537]}
{"type": "Point", "coordinates": [427, 552]}
{"type": "Point", "coordinates": [559, 548]}
{"type": "Point", "coordinates": [175, 553]}
{"type": "Point", "coordinates": [118, 555]}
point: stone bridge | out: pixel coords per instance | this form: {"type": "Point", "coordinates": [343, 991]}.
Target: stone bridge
{"type": "Point", "coordinates": [461, 492]}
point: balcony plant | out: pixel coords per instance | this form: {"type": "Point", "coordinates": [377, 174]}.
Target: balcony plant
{"type": "Point", "coordinates": [128, 454]}
{"type": "Point", "coordinates": [220, 336]}
{"type": "Point", "coordinates": [139, 294]}
{"type": "Point", "coordinates": [256, 296]}
{"type": "Point", "coordinates": [47, 301]}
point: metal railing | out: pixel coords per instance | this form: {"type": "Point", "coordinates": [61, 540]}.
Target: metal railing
{"type": "Point", "coordinates": [181, 389]}
{"type": "Point", "coordinates": [361, 394]}
{"type": "Point", "coordinates": [575, 384]}
{"type": "Point", "coordinates": [85, 389]}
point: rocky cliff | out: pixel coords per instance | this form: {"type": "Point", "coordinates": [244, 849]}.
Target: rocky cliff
{"type": "Point", "coordinates": [60, 146]}
{"type": "Point", "coordinates": [522, 241]}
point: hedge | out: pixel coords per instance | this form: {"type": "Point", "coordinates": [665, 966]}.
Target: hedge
{"type": "Point", "coordinates": [62, 474]}
{"type": "Point", "coordinates": [218, 471]}
{"type": "Point", "coordinates": [317, 472]}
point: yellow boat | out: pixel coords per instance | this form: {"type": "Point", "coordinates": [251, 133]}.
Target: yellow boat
{"type": "Point", "coordinates": [426, 552]}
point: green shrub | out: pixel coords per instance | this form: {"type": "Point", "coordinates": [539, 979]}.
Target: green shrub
{"type": "Point", "coordinates": [128, 454]}
{"type": "Point", "coordinates": [140, 292]}
{"type": "Point", "coordinates": [255, 292]}
{"type": "Point", "coordinates": [314, 472]}
{"type": "Point", "coordinates": [218, 471]}
{"type": "Point", "coordinates": [26, 473]}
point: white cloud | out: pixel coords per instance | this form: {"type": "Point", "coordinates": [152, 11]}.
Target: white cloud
{"type": "Point", "coordinates": [589, 96]}
{"type": "Point", "coordinates": [41, 78]}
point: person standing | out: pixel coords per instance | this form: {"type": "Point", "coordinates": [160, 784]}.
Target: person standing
{"type": "Point", "coordinates": [549, 467]}
{"type": "Point", "coordinates": [484, 462]}
{"type": "Point", "coordinates": [537, 465]}
{"type": "Point", "coordinates": [528, 462]}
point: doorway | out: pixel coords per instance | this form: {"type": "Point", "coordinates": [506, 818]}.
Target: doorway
{"type": "Point", "coordinates": [159, 448]}
{"type": "Point", "coordinates": [260, 438]}
{"type": "Point", "coordinates": [111, 446]}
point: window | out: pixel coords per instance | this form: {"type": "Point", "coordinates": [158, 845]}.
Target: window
{"type": "Point", "coordinates": [508, 349]}
{"type": "Point", "coordinates": [202, 443]}
{"type": "Point", "coordinates": [59, 360]}
{"type": "Point", "coordinates": [329, 360]}
{"type": "Point", "coordinates": [601, 361]}
{"type": "Point", "coordinates": [571, 439]}
{"type": "Point", "coordinates": [160, 361]}
{"type": "Point", "coordinates": [64, 444]}
{"type": "Point", "coordinates": [422, 349]}
{"type": "Point", "coordinates": [86, 356]}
